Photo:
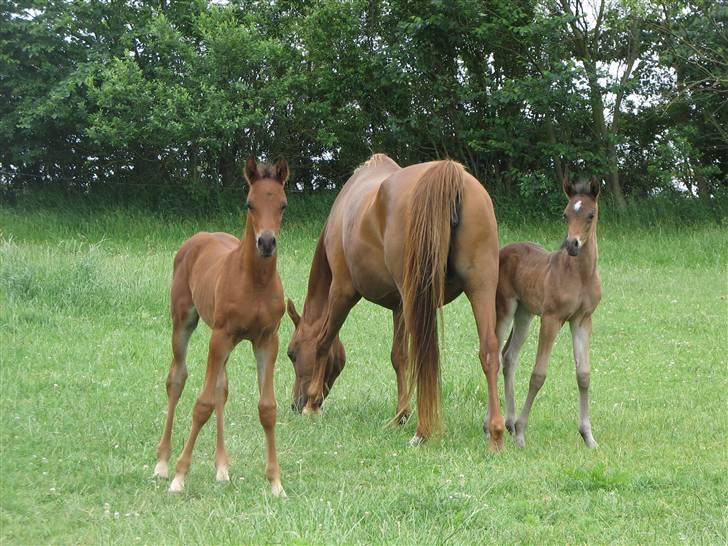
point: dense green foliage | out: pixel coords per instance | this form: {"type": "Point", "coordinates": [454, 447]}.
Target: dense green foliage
{"type": "Point", "coordinates": [149, 99]}
{"type": "Point", "coordinates": [84, 351]}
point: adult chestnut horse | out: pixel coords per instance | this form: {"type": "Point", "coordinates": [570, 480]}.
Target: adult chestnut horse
{"type": "Point", "coordinates": [558, 286]}
{"type": "Point", "coordinates": [234, 286]}
{"type": "Point", "coordinates": [411, 240]}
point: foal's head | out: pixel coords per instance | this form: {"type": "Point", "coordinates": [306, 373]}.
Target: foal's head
{"type": "Point", "coordinates": [581, 213]}
{"type": "Point", "coordinates": [302, 350]}
{"type": "Point", "coordinates": [266, 202]}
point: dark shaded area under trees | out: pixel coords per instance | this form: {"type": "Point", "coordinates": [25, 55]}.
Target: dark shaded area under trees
{"type": "Point", "coordinates": [165, 100]}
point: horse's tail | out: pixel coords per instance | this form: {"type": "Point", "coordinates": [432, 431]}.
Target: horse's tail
{"type": "Point", "coordinates": [434, 210]}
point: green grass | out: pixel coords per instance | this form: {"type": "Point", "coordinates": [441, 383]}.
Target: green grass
{"type": "Point", "coordinates": [85, 347]}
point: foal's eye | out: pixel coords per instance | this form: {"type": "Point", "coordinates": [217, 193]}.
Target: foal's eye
{"type": "Point", "coordinates": [564, 217]}
{"type": "Point", "coordinates": [292, 356]}
{"type": "Point", "coordinates": [249, 206]}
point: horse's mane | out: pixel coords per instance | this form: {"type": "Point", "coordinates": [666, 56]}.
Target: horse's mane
{"type": "Point", "coordinates": [266, 170]}
{"type": "Point", "coordinates": [373, 160]}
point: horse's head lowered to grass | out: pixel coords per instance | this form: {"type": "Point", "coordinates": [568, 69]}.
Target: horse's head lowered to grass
{"type": "Point", "coordinates": [303, 354]}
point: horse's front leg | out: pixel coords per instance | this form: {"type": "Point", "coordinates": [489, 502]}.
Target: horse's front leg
{"type": "Point", "coordinates": [580, 334]}
{"type": "Point", "coordinates": [342, 297]}
{"type": "Point", "coordinates": [212, 396]}
{"type": "Point", "coordinates": [399, 363]}
{"type": "Point", "coordinates": [266, 351]}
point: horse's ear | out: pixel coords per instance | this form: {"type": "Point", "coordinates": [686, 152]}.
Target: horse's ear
{"type": "Point", "coordinates": [251, 171]}
{"type": "Point", "coordinates": [594, 186]}
{"type": "Point", "coordinates": [568, 187]}
{"type": "Point", "coordinates": [295, 317]}
{"type": "Point", "coordinates": [281, 170]}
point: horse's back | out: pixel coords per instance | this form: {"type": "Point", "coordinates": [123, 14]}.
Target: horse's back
{"type": "Point", "coordinates": [196, 267]}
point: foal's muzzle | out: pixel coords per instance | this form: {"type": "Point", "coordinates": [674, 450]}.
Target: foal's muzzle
{"type": "Point", "coordinates": [573, 247]}
{"type": "Point", "coordinates": [266, 244]}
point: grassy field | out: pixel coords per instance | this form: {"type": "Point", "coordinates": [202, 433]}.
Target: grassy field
{"type": "Point", "coordinates": [85, 348]}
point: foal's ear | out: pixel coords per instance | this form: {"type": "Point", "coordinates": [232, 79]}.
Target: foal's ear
{"type": "Point", "coordinates": [251, 171]}
{"type": "Point", "coordinates": [281, 170]}
{"type": "Point", "coordinates": [594, 186]}
{"type": "Point", "coordinates": [295, 317]}
{"type": "Point", "coordinates": [569, 189]}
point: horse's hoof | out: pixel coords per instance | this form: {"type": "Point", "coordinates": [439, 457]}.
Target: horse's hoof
{"type": "Point", "coordinates": [308, 410]}
{"type": "Point", "coordinates": [177, 485]}
{"type": "Point", "coordinates": [511, 426]}
{"type": "Point", "coordinates": [161, 471]}
{"type": "Point", "coordinates": [416, 441]}
{"type": "Point", "coordinates": [277, 490]}
{"type": "Point", "coordinates": [222, 474]}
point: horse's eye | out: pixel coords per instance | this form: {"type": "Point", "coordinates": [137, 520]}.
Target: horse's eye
{"type": "Point", "coordinates": [284, 206]}
{"type": "Point", "coordinates": [249, 206]}
{"type": "Point", "coordinates": [590, 217]}
{"type": "Point", "coordinates": [565, 218]}
{"type": "Point", "coordinates": [292, 356]}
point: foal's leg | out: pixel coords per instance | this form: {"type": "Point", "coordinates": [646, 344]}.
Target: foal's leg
{"type": "Point", "coordinates": [399, 363]}
{"type": "Point", "coordinates": [184, 322]}
{"type": "Point", "coordinates": [580, 333]}
{"type": "Point", "coordinates": [266, 351]}
{"type": "Point", "coordinates": [521, 322]}
{"type": "Point", "coordinates": [550, 327]}
{"type": "Point", "coordinates": [213, 391]}
{"type": "Point", "coordinates": [222, 462]}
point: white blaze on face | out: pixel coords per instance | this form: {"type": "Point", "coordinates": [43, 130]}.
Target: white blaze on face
{"type": "Point", "coordinates": [577, 206]}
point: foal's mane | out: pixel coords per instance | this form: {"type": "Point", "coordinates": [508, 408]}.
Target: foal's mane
{"type": "Point", "coordinates": [266, 170]}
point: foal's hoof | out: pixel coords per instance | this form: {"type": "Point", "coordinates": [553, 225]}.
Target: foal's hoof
{"type": "Point", "coordinates": [589, 440]}
{"type": "Point", "coordinates": [222, 474]}
{"type": "Point", "coordinates": [416, 441]}
{"type": "Point", "coordinates": [520, 437]}
{"type": "Point", "coordinates": [277, 490]}
{"type": "Point", "coordinates": [161, 471]}
{"type": "Point", "coordinates": [177, 485]}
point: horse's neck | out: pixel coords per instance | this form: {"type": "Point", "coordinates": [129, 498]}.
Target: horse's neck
{"type": "Point", "coordinates": [319, 283]}
{"type": "Point", "coordinates": [589, 257]}
{"type": "Point", "coordinates": [250, 262]}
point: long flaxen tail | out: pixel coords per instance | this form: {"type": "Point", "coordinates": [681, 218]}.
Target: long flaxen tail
{"type": "Point", "coordinates": [434, 210]}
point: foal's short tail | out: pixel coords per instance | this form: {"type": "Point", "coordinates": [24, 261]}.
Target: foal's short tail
{"type": "Point", "coordinates": [434, 211]}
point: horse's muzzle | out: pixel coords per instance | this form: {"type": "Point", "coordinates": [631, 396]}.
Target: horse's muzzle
{"type": "Point", "coordinates": [266, 244]}
{"type": "Point", "coordinates": [573, 247]}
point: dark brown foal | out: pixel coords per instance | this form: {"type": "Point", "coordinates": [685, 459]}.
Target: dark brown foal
{"type": "Point", "coordinates": [558, 286]}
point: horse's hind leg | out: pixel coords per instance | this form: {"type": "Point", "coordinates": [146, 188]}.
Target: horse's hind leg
{"type": "Point", "coordinates": [521, 322]}
{"type": "Point", "coordinates": [550, 327]}
{"type": "Point", "coordinates": [483, 304]}
{"type": "Point", "coordinates": [580, 333]}
{"type": "Point", "coordinates": [184, 322]}
{"type": "Point", "coordinates": [399, 363]}
{"type": "Point", "coordinates": [505, 309]}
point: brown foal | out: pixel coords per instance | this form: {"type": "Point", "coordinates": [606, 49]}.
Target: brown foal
{"type": "Point", "coordinates": [558, 286]}
{"type": "Point", "coordinates": [234, 286]}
